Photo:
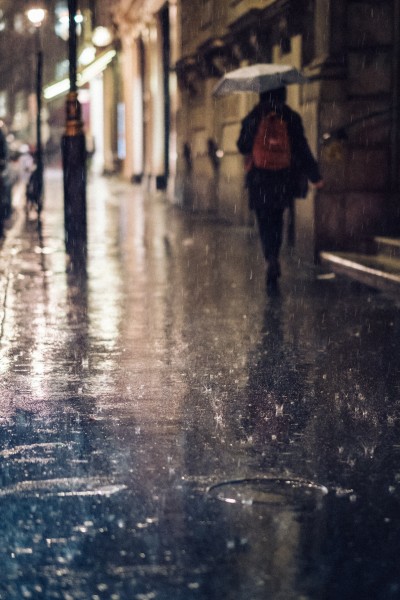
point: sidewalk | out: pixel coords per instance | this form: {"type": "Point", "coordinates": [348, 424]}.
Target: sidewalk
{"type": "Point", "coordinates": [169, 431]}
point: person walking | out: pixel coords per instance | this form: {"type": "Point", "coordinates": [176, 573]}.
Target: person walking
{"type": "Point", "coordinates": [279, 164]}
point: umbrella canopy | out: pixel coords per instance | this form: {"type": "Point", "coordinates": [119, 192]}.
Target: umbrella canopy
{"type": "Point", "coordinates": [258, 78]}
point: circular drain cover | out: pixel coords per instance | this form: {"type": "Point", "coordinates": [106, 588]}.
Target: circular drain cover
{"type": "Point", "coordinates": [279, 492]}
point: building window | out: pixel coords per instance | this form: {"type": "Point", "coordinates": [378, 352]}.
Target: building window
{"type": "Point", "coordinates": [285, 43]}
{"type": "Point", "coordinates": [2, 21]}
{"type": "Point", "coordinates": [206, 13]}
{"type": "Point", "coordinates": [19, 23]}
{"type": "Point", "coordinates": [62, 69]}
{"type": "Point", "coordinates": [3, 104]}
{"type": "Point", "coordinates": [121, 146]}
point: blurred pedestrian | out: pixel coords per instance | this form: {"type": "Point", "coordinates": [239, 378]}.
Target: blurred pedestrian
{"type": "Point", "coordinates": [5, 179]}
{"type": "Point", "coordinates": [279, 164]}
{"type": "Point", "coordinates": [25, 162]}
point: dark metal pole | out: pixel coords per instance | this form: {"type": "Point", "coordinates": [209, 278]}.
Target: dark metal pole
{"type": "Point", "coordinates": [72, 8]}
{"type": "Point", "coordinates": [39, 150]}
{"type": "Point", "coordinates": [74, 154]}
{"type": "Point", "coordinates": [395, 138]}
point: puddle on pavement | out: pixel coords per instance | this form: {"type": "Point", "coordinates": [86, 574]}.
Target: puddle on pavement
{"type": "Point", "coordinates": [75, 486]}
{"type": "Point", "coordinates": [275, 492]}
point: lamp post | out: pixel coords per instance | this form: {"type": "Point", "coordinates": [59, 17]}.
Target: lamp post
{"type": "Point", "coordinates": [36, 16]}
{"type": "Point", "coordinates": [74, 153]}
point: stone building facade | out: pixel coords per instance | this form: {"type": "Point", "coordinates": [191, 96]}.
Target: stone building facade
{"type": "Point", "coordinates": [180, 138]}
{"type": "Point", "coordinates": [20, 43]}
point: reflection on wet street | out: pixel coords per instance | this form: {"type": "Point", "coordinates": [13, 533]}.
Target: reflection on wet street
{"type": "Point", "coordinates": [169, 431]}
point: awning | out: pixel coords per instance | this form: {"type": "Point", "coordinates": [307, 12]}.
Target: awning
{"type": "Point", "coordinates": [58, 88]}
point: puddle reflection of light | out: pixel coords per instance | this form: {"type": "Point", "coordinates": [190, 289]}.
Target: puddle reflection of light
{"type": "Point", "coordinates": [104, 278]}
{"type": "Point", "coordinates": [7, 326]}
{"type": "Point", "coordinates": [38, 354]}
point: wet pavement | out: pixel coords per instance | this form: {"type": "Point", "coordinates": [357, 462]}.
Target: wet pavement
{"type": "Point", "coordinates": [169, 431]}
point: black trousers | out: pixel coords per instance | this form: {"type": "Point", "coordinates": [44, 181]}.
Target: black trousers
{"type": "Point", "coordinates": [270, 226]}
{"type": "Point", "coordinates": [270, 192]}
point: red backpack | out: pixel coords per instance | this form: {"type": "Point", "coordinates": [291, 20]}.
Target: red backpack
{"type": "Point", "coordinates": [271, 148]}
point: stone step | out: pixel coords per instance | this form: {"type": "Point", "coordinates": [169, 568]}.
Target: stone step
{"type": "Point", "coordinates": [388, 246]}
{"type": "Point", "coordinates": [379, 271]}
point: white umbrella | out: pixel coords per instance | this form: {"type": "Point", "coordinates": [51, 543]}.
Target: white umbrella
{"type": "Point", "coordinates": [258, 78]}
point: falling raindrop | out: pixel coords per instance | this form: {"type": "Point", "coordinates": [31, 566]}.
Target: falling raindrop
{"type": "Point", "coordinates": [193, 585]}
{"type": "Point", "coordinates": [369, 450]}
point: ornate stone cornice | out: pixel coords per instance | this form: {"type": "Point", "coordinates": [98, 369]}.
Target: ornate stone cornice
{"type": "Point", "coordinates": [136, 11]}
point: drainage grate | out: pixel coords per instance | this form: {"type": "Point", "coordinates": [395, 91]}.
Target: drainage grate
{"type": "Point", "coordinates": [277, 492]}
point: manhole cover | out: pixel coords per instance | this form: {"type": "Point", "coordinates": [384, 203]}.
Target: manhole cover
{"type": "Point", "coordinates": [280, 492]}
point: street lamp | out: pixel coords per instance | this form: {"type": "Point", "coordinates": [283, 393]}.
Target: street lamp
{"type": "Point", "coordinates": [74, 152]}
{"type": "Point", "coordinates": [36, 16]}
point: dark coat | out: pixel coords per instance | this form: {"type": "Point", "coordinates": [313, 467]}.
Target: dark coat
{"type": "Point", "coordinates": [293, 181]}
